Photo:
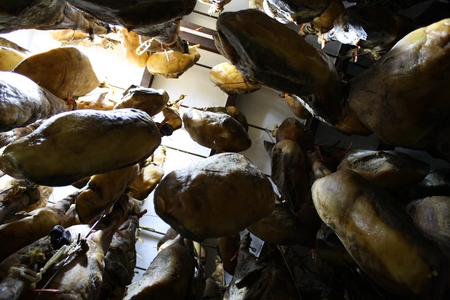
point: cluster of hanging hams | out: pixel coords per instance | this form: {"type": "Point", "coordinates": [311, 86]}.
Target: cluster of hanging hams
{"type": "Point", "coordinates": [365, 211]}
{"type": "Point", "coordinates": [72, 260]}
{"type": "Point", "coordinates": [146, 30]}
{"type": "Point", "coordinates": [56, 135]}
{"type": "Point", "coordinates": [376, 221]}
{"type": "Point", "coordinates": [167, 54]}
{"type": "Point", "coordinates": [398, 98]}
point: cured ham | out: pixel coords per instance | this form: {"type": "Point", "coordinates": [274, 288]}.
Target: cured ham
{"type": "Point", "coordinates": [85, 134]}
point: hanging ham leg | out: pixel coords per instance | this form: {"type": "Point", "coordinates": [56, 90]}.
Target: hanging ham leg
{"type": "Point", "coordinates": [168, 275]}
{"type": "Point", "coordinates": [120, 260]}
